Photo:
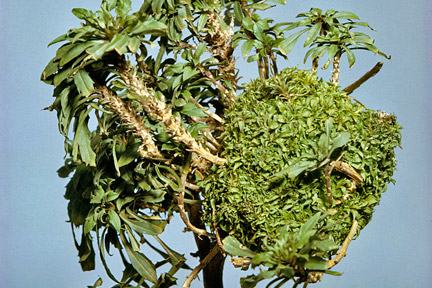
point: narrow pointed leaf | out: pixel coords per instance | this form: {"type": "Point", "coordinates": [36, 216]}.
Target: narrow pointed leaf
{"type": "Point", "coordinates": [175, 257]}
{"type": "Point", "coordinates": [75, 51]}
{"type": "Point", "coordinates": [313, 33]}
{"type": "Point", "coordinates": [114, 220]}
{"type": "Point", "coordinates": [345, 15]}
{"type": "Point", "coordinates": [139, 262]}
{"type": "Point", "coordinates": [350, 55]}
{"type": "Point", "coordinates": [83, 142]}
{"type": "Point", "coordinates": [288, 44]}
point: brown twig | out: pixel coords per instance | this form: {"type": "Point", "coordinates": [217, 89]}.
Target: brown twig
{"type": "Point", "coordinates": [349, 89]}
{"type": "Point", "coordinates": [200, 266]}
{"type": "Point", "coordinates": [342, 252]}
{"type": "Point", "coordinates": [350, 97]}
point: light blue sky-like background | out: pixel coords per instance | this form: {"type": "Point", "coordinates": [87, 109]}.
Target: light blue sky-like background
{"type": "Point", "coordinates": [36, 246]}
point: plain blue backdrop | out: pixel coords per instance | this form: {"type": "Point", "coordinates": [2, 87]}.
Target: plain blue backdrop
{"type": "Point", "coordinates": [36, 246]}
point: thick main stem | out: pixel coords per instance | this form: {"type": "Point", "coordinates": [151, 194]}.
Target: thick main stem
{"type": "Point", "coordinates": [213, 271]}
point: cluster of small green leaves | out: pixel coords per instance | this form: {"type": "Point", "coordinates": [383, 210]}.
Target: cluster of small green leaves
{"type": "Point", "coordinates": [306, 249]}
{"type": "Point", "coordinates": [276, 138]}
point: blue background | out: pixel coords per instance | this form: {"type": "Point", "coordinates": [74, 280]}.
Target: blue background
{"type": "Point", "coordinates": [36, 246]}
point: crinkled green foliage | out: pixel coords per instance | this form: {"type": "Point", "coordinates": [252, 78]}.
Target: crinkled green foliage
{"type": "Point", "coordinates": [277, 125]}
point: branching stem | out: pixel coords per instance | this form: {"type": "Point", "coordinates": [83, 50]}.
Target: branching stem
{"type": "Point", "coordinates": [183, 216]}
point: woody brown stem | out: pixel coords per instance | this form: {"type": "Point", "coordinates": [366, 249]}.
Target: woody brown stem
{"type": "Point", "coordinates": [349, 89]}
{"type": "Point", "coordinates": [342, 252]}
{"type": "Point", "coordinates": [213, 252]}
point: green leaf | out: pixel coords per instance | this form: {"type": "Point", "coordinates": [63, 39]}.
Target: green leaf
{"type": "Point", "coordinates": [75, 51]}
{"type": "Point", "coordinates": [307, 230]}
{"type": "Point", "coordinates": [259, 6]}
{"type": "Point", "coordinates": [83, 82]}
{"type": "Point", "coordinates": [316, 263]}
{"type": "Point", "coordinates": [123, 7]}
{"type": "Point", "coordinates": [151, 27]}
{"type": "Point", "coordinates": [190, 109]}
{"type": "Point", "coordinates": [129, 155]}
{"type": "Point", "coordinates": [141, 263]}
{"type": "Point", "coordinates": [60, 38]}
{"type": "Point", "coordinates": [345, 15]}
{"type": "Point", "coordinates": [143, 225]}
{"type": "Point", "coordinates": [341, 140]}
{"type": "Point", "coordinates": [332, 50]}
{"type": "Point", "coordinates": [295, 170]}
{"type": "Point", "coordinates": [313, 33]}
{"type": "Point", "coordinates": [134, 44]}
{"type": "Point", "coordinates": [247, 47]}
{"type": "Point", "coordinates": [238, 11]}
{"type": "Point", "coordinates": [202, 21]}
{"type": "Point", "coordinates": [98, 283]}
{"type": "Point", "coordinates": [98, 50]}
{"type": "Point", "coordinates": [82, 13]}
{"type": "Point", "coordinates": [175, 257]}
{"type": "Point", "coordinates": [350, 55]}
{"type": "Point", "coordinates": [114, 220]}
{"type": "Point", "coordinates": [88, 156]}
{"type": "Point", "coordinates": [119, 43]}
{"type": "Point", "coordinates": [288, 44]}
{"type": "Point", "coordinates": [110, 4]}
{"type": "Point", "coordinates": [200, 51]}
{"type": "Point", "coordinates": [325, 245]}
{"type": "Point", "coordinates": [62, 76]}
{"type": "Point", "coordinates": [50, 69]}
{"type": "Point", "coordinates": [232, 246]}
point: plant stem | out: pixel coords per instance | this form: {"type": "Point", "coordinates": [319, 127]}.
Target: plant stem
{"type": "Point", "coordinates": [336, 68]}
{"type": "Point", "coordinates": [342, 252]}
{"type": "Point", "coordinates": [349, 89]}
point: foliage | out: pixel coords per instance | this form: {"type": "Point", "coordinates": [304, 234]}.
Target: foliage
{"type": "Point", "coordinates": [146, 131]}
{"type": "Point", "coordinates": [278, 138]}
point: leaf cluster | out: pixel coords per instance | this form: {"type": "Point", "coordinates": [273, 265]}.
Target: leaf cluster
{"type": "Point", "coordinates": [326, 33]}
{"type": "Point", "coordinates": [276, 139]}
{"type": "Point", "coordinates": [288, 256]}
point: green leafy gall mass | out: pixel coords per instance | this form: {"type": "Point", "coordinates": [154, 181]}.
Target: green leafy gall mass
{"type": "Point", "coordinates": [297, 146]}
